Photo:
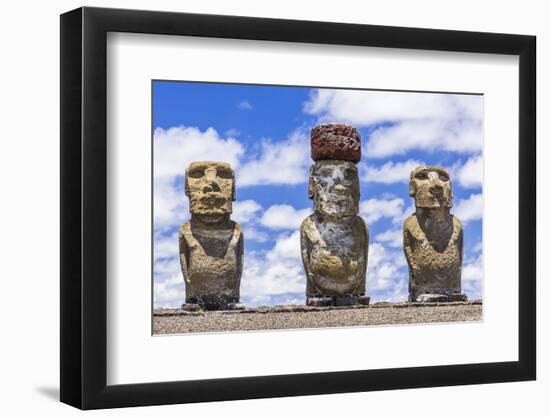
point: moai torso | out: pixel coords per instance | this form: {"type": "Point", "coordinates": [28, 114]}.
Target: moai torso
{"type": "Point", "coordinates": [213, 261]}
{"type": "Point", "coordinates": [334, 239]}
{"type": "Point", "coordinates": [211, 245]}
{"type": "Point", "coordinates": [335, 256]}
{"type": "Point", "coordinates": [433, 239]}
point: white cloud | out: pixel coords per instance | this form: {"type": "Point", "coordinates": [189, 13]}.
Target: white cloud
{"type": "Point", "coordinates": [387, 276]}
{"type": "Point", "coordinates": [363, 108]}
{"type": "Point", "coordinates": [170, 292]}
{"type": "Point", "coordinates": [469, 209]}
{"type": "Point", "coordinates": [470, 175]}
{"type": "Point", "coordinates": [426, 135]}
{"type": "Point", "coordinates": [423, 121]}
{"type": "Point", "coordinates": [276, 271]}
{"type": "Point", "coordinates": [244, 105]}
{"type": "Point", "coordinates": [177, 147]}
{"type": "Point", "coordinates": [473, 271]}
{"type": "Point", "coordinates": [247, 214]}
{"type": "Point", "coordinates": [283, 216]}
{"type": "Point", "coordinates": [392, 237]}
{"type": "Point", "coordinates": [390, 172]}
{"type": "Point", "coordinates": [282, 162]}
{"type": "Point", "coordinates": [252, 233]}
{"type": "Point", "coordinates": [374, 209]}
{"type": "Point", "coordinates": [166, 246]}
{"type": "Point", "coordinates": [245, 211]}
{"type": "Point", "coordinates": [174, 150]}
{"type": "Point", "coordinates": [472, 278]}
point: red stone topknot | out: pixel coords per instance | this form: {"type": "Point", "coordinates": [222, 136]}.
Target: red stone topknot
{"type": "Point", "coordinates": [335, 141]}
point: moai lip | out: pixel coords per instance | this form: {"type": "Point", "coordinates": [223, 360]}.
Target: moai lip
{"type": "Point", "coordinates": [335, 141]}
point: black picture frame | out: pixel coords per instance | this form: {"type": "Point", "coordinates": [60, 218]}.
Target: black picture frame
{"type": "Point", "coordinates": [84, 207]}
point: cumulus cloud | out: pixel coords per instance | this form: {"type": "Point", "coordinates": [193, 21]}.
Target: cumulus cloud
{"type": "Point", "coordinates": [392, 237]}
{"type": "Point", "coordinates": [168, 286]}
{"type": "Point", "coordinates": [174, 150]}
{"type": "Point", "coordinates": [374, 209]}
{"type": "Point", "coordinates": [470, 175]}
{"type": "Point", "coordinates": [283, 216]}
{"type": "Point", "coordinates": [424, 121]}
{"type": "Point", "coordinates": [177, 147]}
{"type": "Point", "coordinates": [390, 172]}
{"type": "Point", "coordinates": [426, 135]}
{"type": "Point", "coordinates": [282, 162]}
{"type": "Point", "coordinates": [387, 276]}
{"type": "Point", "coordinates": [472, 278]}
{"type": "Point", "coordinates": [244, 105]}
{"type": "Point", "coordinates": [469, 209]}
{"type": "Point", "coordinates": [277, 271]}
{"type": "Point", "coordinates": [245, 211]}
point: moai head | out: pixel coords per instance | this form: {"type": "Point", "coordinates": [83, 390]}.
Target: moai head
{"type": "Point", "coordinates": [334, 188]}
{"type": "Point", "coordinates": [210, 187]}
{"type": "Point", "coordinates": [430, 186]}
{"type": "Point", "coordinates": [333, 178]}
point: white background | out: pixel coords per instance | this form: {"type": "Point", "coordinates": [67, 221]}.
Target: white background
{"type": "Point", "coordinates": [133, 60]}
{"type": "Point", "coordinates": [30, 225]}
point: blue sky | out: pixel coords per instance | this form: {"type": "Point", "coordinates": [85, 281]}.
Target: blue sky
{"type": "Point", "coordinates": [263, 132]}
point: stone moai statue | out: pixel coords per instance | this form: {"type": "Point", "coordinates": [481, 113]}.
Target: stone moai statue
{"type": "Point", "coordinates": [334, 239]}
{"type": "Point", "coordinates": [433, 238]}
{"type": "Point", "coordinates": [211, 244]}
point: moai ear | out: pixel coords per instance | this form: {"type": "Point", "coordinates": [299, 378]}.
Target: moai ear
{"type": "Point", "coordinates": [412, 186]}
{"type": "Point", "coordinates": [186, 183]}
{"type": "Point", "coordinates": [233, 196]}
{"type": "Point", "coordinates": [311, 185]}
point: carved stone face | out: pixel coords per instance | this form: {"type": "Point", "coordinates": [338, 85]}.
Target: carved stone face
{"type": "Point", "coordinates": [430, 186]}
{"type": "Point", "coordinates": [210, 187]}
{"type": "Point", "coordinates": [334, 188]}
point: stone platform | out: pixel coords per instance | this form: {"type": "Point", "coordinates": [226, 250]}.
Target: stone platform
{"type": "Point", "coordinates": [174, 321]}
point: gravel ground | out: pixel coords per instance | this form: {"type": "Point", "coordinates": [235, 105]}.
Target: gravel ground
{"type": "Point", "coordinates": [168, 321]}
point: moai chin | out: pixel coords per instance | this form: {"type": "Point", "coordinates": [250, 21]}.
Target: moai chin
{"type": "Point", "coordinates": [334, 239]}
{"type": "Point", "coordinates": [211, 244]}
{"type": "Point", "coordinates": [433, 238]}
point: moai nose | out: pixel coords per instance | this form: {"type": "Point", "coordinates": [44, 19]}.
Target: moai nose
{"type": "Point", "coordinates": [436, 190]}
{"type": "Point", "coordinates": [211, 187]}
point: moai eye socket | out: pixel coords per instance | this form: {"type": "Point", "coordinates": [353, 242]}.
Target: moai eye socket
{"type": "Point", "coordinates": [196, 173]}
{"type": "Point", "coordinates": [443, 176]}
{"type": "Point", "coordinates": [349, 174]}
{"type": "Point", "coordinates": [421, 175]}
{"type": "Point", "coordinates": [224, 173]}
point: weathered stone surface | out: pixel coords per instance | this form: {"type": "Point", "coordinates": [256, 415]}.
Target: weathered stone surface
{"type": "Point", "coordinates": [335, 141]}
{"type": "Point", "coordinates": [334, 239]}
{"type": "Point", "coordinates": [433, 238]}
{"type": "Point", "coordinates": [211, 245]}
{"type": "Point", "coordinates": [432, 298]}
{"type": "Point", "coordinates": [320, 301]}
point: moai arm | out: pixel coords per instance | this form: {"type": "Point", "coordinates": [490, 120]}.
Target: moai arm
{"type": "Point", "coordinates": [460, 243]}
{"type": "Point", "coordinates": [408, 245]}
{"type": "Point", "coordinates": [240, 250]}
{"type": "Point", "coordinates": [304, 246]}
{"type": "Point", "coordinates": [184, 255]}
{"type": "Point", "coordinates": [366, 231]}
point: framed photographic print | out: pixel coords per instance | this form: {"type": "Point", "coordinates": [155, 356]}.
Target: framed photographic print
{"type": "Point", "coordinates": [258, 207]}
